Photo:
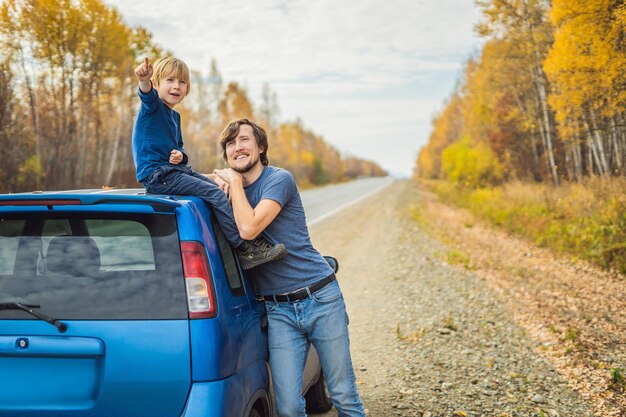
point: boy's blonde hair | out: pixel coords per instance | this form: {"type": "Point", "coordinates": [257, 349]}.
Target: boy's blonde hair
{"type": "Point", "coordinates": [170, 65]}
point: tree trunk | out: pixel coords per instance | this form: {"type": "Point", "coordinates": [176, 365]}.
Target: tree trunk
{"type": "Point", "coordinates": [33, 104]}
{"type": "Point", "coordinates": [117, 137]}
{"type": "Point", "coordinates": [539, 79]}
{"type": "Point", "coordinates": [599, 143]}
{"type": "Point", "coordinates": [589, 157]}
{"type": "Point", "coordinates": [533, 140]}
{"type": "Point", "coordinates": [621, 141]}
{"type": "Point", "coordinates": [617, 147]}
{"type": "Point", "coordinates": [578, 159]}
{"type": "Point", "coordinates": [592, 149]}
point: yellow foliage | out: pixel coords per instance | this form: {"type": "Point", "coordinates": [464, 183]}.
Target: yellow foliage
{"type": "Point", "coordinates": [235, 104]}
{"type": "Point", "coordinates": [587, 61]}
{"type": "Point", "coordinates": [306, 157]}
{"type": "Point", "coordinates": [471, 165]}
{"type": "Point", "coordinates": [547, 94]}
{"type": "Point", "coordinates": [30, 174]}
{"type": "Point", "coordinates": [446, 130]}
{"type": "Point", "coordinates": [74, 60]}
{"type": "Point", "coordinates": [586, 219]}
{"type": "Point", "coordinates": [313, 161]}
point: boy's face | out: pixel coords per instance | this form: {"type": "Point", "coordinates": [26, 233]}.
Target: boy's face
{"type": "Point", "coordinates": [171, 90]}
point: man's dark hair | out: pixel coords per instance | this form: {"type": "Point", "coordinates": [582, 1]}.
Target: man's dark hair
{"type": "Point", "coordinates": [232, 130]}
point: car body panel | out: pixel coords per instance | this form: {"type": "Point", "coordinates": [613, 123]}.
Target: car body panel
{"type": "Point", "coordinates": [67, 375]}
{"type": "Point", "coordinates": [210, 367]}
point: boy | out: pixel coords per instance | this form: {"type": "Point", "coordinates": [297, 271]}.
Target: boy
{"type": "Point", "coordinates": [157, 131]}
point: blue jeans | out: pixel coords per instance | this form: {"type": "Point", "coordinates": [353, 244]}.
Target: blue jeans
{"type": "Point", "coordinates": [182, 180]}
{"type": "Point", "coordinates": [320, 319]}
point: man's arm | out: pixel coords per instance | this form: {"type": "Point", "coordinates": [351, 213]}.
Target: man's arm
{"type": "Point", "coordinates": [250, 221]}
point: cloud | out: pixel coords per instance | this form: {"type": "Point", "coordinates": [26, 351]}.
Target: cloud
{"type": "Point", "coordinates": [275, 39]}
{"type": "Point", "coordinates": [389, 131]}
{"type": "Point", "coordinates": [316, 54]}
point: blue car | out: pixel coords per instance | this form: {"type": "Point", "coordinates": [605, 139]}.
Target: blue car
{"type": "Point", "coordinates": [116, 303]}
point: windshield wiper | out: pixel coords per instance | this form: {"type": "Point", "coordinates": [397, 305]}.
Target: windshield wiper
{"type": "Point", "coordinates": [62, 327]}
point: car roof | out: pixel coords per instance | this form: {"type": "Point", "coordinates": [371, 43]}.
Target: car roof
{"type": "Point", "coordinates": [86, 191]}
{"type": "Point", "coordinates": [94, 196]}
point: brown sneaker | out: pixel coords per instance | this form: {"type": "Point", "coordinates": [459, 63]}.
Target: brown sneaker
{"type": "Point", "coordinates": [259, 251]}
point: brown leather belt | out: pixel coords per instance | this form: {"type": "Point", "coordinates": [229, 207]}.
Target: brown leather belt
{"type": "Point", "coordinates": [302, 293]}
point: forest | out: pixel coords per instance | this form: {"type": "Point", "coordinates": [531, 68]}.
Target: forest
{"type": "Point", "coordinates": [68, 103]}
{"type": "Point", "coordinates": [533, 137]}
{"type": "Point", "coordinates": [545, 100]}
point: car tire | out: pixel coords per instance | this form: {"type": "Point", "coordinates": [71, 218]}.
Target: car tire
{"type": "Point", "coordinates": [254, 413]}
{"type": "Point", "coordinates": [317, 397]}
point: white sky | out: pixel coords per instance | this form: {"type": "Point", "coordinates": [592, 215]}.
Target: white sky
{"type": "Point", "coordinates": [366, 75]}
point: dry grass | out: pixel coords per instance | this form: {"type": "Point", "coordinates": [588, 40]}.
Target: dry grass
{"type": "Point", "coordinates": [585, 220]}
{"type": "Point", "coordinates": [574, 310]}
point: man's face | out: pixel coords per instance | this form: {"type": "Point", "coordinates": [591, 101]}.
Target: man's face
{"type": "Point", "coordinates": [172, 90]}
{"type": "Point", "coordinates": [243, 152]}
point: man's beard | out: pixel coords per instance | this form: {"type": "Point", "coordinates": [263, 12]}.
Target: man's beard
{"type": "Point", "coordinates": [247, 167]}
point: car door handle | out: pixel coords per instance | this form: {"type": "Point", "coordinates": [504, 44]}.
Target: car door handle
{"type": "Point", "coordinates": [51, 346]}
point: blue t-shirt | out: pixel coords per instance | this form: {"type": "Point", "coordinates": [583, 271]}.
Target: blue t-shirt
{"type": "Point", "coordinates": [303, 265]}
{"type": "Point", "coordinates": [156, 133]}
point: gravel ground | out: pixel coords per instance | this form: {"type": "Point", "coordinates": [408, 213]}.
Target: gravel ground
{"type": "Point", "coordinates": [427, 338]}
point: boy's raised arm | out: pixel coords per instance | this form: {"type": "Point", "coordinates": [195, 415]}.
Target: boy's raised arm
{"type": "Point", "coordinates": [144, 73]}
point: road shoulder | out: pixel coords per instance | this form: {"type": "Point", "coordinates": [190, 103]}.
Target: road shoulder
{"type": "Point", "coordinates": [429, 339]}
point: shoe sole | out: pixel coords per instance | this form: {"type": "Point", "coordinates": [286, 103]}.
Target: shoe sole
{"type": "Point", "coordinates": [281, 252]}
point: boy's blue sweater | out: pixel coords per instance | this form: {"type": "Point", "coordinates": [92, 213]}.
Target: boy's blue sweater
{"type": "Point", "coordinates": [156, 133]}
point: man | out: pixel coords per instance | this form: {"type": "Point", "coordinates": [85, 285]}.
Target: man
{"type": "Point", "coordinates": [302, 297]}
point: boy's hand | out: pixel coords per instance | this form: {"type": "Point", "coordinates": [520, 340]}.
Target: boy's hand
{"type": "Point", "coordinates": [144, 71]}
{"type": "Point", "coordinates": [176, 157]}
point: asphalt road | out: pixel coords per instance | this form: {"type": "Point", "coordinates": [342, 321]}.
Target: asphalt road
{"type": "Point", "coordinates": [321, 203]}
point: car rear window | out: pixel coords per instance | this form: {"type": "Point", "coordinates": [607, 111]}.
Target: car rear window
{"type": "Point", "coordinates": [92, 266]}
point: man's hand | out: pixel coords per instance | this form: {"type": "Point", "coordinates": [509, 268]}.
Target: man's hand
{"type": "Point", "coordinates": [228, 175]}
{"type": "Point", "coordinates": [144, 73]}
{"type": "Point", "coordinates": [224, 186]}
{"type": "Point", "coordinates": [251, 221]}
{"type": "Point", "coordinates": [176, 157]}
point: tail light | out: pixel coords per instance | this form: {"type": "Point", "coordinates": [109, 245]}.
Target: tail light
{"type": "Point", "coordinates": [201, 299]}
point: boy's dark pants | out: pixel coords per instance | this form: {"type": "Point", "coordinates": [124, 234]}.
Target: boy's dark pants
{"type": "Point", "coordinates": [182, 180]}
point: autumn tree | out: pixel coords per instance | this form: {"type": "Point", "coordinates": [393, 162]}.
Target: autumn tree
{"type": "Point", "coordinates": [587, 65]}
{"type": "Point", "coordinates": [471, 164]}
{"type": "Point", "coordinates": [269, 110]}
{"type": "Point", "coordinates": [547, 93]}
{"type": "Point", "coordinates": [526, 28]}
{"type": "Point", "coordinates": [235, 104]}
{"type": "Point", "coordinates": [77, 84]}
{"type": "Point", "coordinates": [20, 168]}
{"type": "Point", "coordinates": [312, 160]}
{"type": "Point", "coordinates": [68, 102]}
{"type": "Point", "coordinates": [356, 167]}
{"type": "Point", "coordinates": [201, 121]}
{"type": "Point", "coordinates": [500, 109]}
{"type": "Point", "coordinates": [7, 123]}
{"type": "Point", "coordinates": [447, 128]}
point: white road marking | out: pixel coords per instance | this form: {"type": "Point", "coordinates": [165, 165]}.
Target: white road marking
{"type": "Point", "coordinates": [348, 204]}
